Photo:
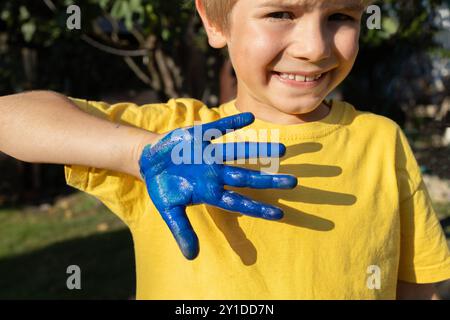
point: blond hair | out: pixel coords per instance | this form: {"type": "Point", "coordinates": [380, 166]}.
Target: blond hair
{"type": "Point", "coordinates": [218, 11]}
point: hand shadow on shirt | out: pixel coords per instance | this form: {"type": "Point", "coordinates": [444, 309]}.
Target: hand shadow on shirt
{"type": "Point", "coordinates": [228, 223]}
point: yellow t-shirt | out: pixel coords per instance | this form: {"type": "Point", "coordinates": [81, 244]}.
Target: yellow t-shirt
{"type": "Point", "coordinates": [360, 219]}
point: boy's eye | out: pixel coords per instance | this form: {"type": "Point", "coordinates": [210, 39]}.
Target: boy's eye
{"type": "Point", "coordinates": [341, 17]}
{"type": "Point", "coordinates": [280, 15]}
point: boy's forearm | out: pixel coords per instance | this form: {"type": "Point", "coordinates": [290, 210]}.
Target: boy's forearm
{"type": "Point", "coordinates": [46, 127]}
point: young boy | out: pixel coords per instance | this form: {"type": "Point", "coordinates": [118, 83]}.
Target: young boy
{"type": "Point", "coordinates": [359, 225]}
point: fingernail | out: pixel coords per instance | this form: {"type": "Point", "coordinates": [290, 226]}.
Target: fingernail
{"type": "Point", "coordinates": [282, 150]}
{"type": "Point", "coordinates": [274, 214]}
{"type": "Point", "coordinates": [291, 182]}
{"type": "Point", "coordinates": [248, 116]}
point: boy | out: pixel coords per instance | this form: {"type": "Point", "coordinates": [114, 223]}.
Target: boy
{"type": "Point", "coordinates": [359, 225]}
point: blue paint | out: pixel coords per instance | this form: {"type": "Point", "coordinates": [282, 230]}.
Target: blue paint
{"type": "Point", "coordinates": [172, 186]}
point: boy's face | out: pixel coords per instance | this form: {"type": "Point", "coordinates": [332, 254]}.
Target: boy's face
{"type": "Point", "coordinates": [295, 37]}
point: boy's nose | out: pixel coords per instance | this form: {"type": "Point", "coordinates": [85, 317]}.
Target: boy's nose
{"type": "Point", "coordinates": [309, 41]}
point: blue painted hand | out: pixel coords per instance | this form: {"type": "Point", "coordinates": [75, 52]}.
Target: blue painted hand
{"type": "Point", "coordinates": [185, 168]}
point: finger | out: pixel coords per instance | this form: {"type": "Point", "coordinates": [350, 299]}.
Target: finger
{"type": "Point", "coordinates": [247, 150]}
{"type": "Point", "coordinates": [235, 202]}
{"type": "Point", "coordinates": [241, 177]}
{"type": "Point", "coordinates": [227, 124]}
{"type": "Point", "coordinates": [178, 223]}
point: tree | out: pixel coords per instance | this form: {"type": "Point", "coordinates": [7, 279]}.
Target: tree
{"type": "Point", "coordinates": [396, 67]}
{"type": "Point", "coordinates": [160, 41]}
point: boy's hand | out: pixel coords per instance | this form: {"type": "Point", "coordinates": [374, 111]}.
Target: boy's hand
{"type": "Point", "coordinates": [178, 173]}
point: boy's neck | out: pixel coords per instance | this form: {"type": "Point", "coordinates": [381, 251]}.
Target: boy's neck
{"type": "Point", "coordinates": [270, 114]}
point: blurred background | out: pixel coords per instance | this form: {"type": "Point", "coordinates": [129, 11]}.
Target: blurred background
{"type": "Point", "coordinates": [148, 51]}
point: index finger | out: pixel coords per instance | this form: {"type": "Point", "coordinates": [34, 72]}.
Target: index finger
{"type": "Point", "coordinates": [233, 122]}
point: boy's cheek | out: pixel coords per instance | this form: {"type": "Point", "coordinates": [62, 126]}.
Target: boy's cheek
{"type": "Point", "coordinates": [257, 43]}
{"type": "Point", "coordinates": [255, 55]}
{"type": "Point", "coordinates": [347, 44]}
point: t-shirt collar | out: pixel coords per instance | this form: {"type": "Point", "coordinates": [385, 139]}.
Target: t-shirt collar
{"type": "Point", "coordinates": [315, 129]}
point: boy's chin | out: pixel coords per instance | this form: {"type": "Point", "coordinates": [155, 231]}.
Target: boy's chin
{"type": "Point", "coordinates": [298, 107]}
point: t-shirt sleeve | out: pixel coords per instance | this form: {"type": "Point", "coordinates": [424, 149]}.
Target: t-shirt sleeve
{"type": "Point", "coordinates": [424, 253]}
{"type": "Point", "coordinates": [125, 195]}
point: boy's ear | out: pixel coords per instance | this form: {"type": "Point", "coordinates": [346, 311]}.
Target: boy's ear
{"type": "Point", "coordinates": [216, 38]}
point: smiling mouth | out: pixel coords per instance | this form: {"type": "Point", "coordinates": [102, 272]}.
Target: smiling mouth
{"type": "Point", "coordinates": [300, 78]}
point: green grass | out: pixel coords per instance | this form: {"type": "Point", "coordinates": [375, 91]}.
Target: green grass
{"type": "Point", "coordinates": [37, 246]}
{"type": "Point", "coordinates": [77, 216]}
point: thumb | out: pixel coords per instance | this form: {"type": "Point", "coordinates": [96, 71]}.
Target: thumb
{"type": "Point", "coordinates": [178, 223]}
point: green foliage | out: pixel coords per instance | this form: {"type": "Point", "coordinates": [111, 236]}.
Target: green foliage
{"type": "Point", "coordinates": [407, 20]}
{"type": "Point", "coordinates": [394, 68]}
{"type": "Point", "coordinates": [33, 24]}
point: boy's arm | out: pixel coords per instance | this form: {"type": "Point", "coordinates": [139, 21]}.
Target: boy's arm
{"type": "Point", "coordinates": [46, 127]}
{"type": "Point", "coordinates": [415, 291]}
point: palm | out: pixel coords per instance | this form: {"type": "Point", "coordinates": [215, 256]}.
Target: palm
{"type": "Point", "coordinates": [178, 173]}
{"type": "Point", "coordinates": [187, 186]}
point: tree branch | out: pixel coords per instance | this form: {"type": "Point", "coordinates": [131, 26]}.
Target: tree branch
{"type": "Point", "coordinates": [166, 77]}
{"type": "Point", "coordinates": [137, 71]}
{"type": "Point", "coordinates": [111, 50]}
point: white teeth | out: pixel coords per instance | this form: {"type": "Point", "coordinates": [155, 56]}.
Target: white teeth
{"type": "Point", "coordinates": [299, 77]}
